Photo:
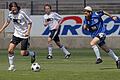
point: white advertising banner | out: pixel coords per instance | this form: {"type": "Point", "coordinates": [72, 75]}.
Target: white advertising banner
{"type": "Point", "coordinates": [72, 26]}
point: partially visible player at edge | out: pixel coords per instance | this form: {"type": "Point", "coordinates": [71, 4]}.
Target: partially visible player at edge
{"type": "Point", "coordinates": [94, 24]}
{"type": "Point", "coordinates": [53, 20]}
{"type": "Point", "coordinates": [22, 25]}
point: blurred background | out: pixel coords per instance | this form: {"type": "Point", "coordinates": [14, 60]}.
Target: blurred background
{"type": "Point", "coordinates": [65, 6]}
{"type": "Point", "coordinates": [72, 35]}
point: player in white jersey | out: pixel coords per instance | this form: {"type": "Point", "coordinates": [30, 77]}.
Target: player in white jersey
{"type": "Point", "coordinates": [22, 25]}
{"type": "Point", "coordinates": [53, 20]}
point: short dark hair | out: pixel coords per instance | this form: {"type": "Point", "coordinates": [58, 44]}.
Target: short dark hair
{"type": "Point", "coordinates": [48, 6]}
{"type": "Point", "coordinates": [14, 4]}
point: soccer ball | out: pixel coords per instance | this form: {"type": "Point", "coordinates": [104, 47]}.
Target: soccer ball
{"type": "Point", "coordinates": [35, 67]}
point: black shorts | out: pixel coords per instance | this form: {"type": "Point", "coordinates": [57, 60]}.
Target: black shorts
{"type": "Point", "coordinates": [54, 35]}
{"type": "Point", "coordinates": [24, 42]}
{"type": "Point", "coordinates": [102, 37]}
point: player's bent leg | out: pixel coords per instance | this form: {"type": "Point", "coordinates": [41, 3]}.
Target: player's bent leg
{"type": "Point", "coordinates": [27, 53]}
{"type": "Point", "coordinates": [96, 50]}
{"type": "Point", "coordinates": [105, 48]}
{"type": "Point", "coordinates": [49, 40]}
{"type": "Point", "coordinates": [112, 54]}
{"type": "Point", "coordinates": [11, 56]}
{"type": "Point", "coordinates": [50, 48]}
{"type": "Point", "coordinates": [94, 41]}
{"type": "Point", "coordinates": [24, 53]}
{"type": "Point", "coordinates": [67, 54]}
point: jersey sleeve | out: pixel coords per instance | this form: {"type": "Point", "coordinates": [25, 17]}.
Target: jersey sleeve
{"type": "Point", "coordinates": [100, 13]}
{"type": "Point", "coordinates": [9, 19]}
{"type": "Point", "coordinates": [44, 20]}
{"type": "Point", "coordinates": [27, 18]}
{"type": "Point", "coordinates": [57, 16]}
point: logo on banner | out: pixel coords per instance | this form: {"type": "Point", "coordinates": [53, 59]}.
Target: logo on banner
{"type": "Point", "coordinates": [78, 25]}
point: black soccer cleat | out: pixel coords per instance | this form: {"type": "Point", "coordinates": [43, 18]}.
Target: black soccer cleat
{"type": "Point", "coordinates": [67, 56]}
{"type": "Point", "coordinates": [49, 57]}
{"type": "Point", "coordinates": [99, 61]}
{"type": "Point", "coordinates": [118, 63]}
{"type": "Point", "coordinates": [33, 58]}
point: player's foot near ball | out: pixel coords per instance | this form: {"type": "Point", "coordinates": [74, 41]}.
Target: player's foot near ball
{"type": "Point", "coordinates": [11, 69]}
{"type": "Point", "coordinates": [33, 58]}
{"type": "Point", "coordinates": [99, 61]}
{"type": "Point", "coordinates": [118, 63]}
{"type": "Point", "coordinates": [67, 56]}
{"type": "Point", "coordinates": [49, 57]}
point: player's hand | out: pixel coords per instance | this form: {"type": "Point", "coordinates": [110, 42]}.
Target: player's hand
{"type": "Point", "coordinates": [26, 34]}
{"type": "Point", "coordinates": [46, 23]}
{"type": "Point", "coordinates": [57, 27]}
{"type": "Point", "coordinates": [0, 30]}
{"type": "Point", "coordinates": [85, 27]}
{"type": "Point", "coordinates": [114, 18]}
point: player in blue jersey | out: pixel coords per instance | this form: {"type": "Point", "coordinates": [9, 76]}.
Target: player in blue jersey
{"type": "Point", "coordinates": [94, 24]}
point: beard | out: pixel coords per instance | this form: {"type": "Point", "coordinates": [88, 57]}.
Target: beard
{"type": "Point", "coordinates": [88, 17]}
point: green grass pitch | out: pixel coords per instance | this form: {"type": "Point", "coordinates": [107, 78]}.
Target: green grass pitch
{"type": "Point", "coordinates": [81, 66]}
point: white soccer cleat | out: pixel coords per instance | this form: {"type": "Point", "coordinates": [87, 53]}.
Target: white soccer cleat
{"type": "Point", "coordinates": [11, 69]}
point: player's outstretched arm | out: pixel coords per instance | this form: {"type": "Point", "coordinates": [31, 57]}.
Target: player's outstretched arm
{"type": "Point", "coordinates": [113, 17]}
{"type": "Point", "coordinates": [4, 26]}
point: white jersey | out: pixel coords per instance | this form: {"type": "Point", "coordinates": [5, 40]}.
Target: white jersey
{"type": "Point", "coordinates": [53, 17]}
{"type": "Point", "coordinates": [20, 21]}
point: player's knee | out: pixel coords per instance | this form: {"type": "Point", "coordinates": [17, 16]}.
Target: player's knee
{"type": "Point", "coordinates": [58, 44]}
{"type": "Point", "coordinates": [10, 51]}
{"type": "Point", "coordinates": [49, 40]}
{"type": "Point", "coordinates": [23, 53]}
{"type": "Point", "coordinates": [92, 44]}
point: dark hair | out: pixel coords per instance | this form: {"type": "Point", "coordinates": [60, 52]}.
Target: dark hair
{"type": "Point", "coordinates": [14, 4]}
{"type": "Point", "coordinates": [87, 10]}
{"type": "Point", "coordinates": [48, 6]}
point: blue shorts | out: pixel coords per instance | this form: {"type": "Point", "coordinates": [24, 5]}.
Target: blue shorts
{"type": "Point", "coordinates": [102, 37]}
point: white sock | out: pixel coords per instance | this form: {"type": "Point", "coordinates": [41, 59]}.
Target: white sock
{"type": "Point", "coordinates": [50, 48]}
{"type": "Point", "coordinates": [112, 54]}
{"type": "Point", "coordinates": [64, 50]}
{"type": "Point", "coordinates": [97, 52]}
{"type": "Point", "coordinates": [11, 60]}
{"type": "Point", "coordinates": [30, 53]}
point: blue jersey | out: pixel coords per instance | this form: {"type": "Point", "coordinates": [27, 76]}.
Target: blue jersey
{"type": "Point", "coordinates": [95, 24]}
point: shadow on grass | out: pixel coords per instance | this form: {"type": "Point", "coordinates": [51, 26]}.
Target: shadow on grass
{"type": "Point", "coordinates": [107, 68]}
